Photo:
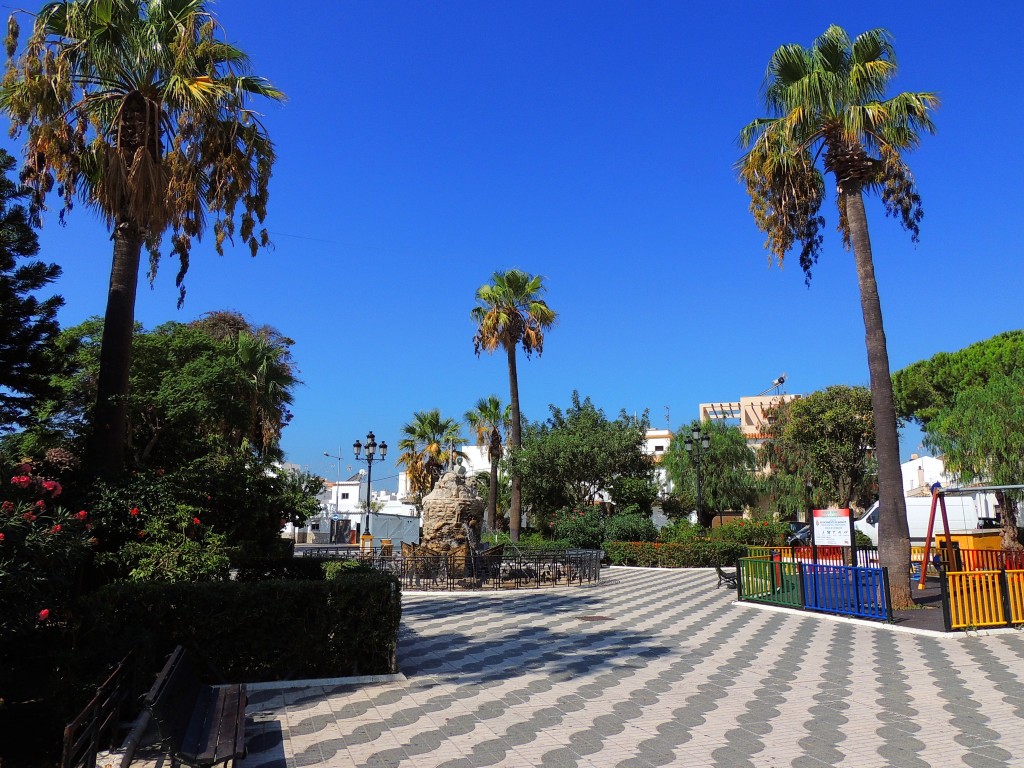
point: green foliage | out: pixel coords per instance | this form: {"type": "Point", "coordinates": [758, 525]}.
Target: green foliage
{"type": "Point", "coordinates": [344, 626]}
{"type": "Point", "coordinates": [175, 546]}
{"type": "Point", "coordinates": [695, 554]}
{"type": "Point", "coordinates": [682, 531]}
{"type": "Point", "coordinates": [28, 325]}
{"type": "Point", "coordinates": [760, 533]}
{"type": "Point", "coordinates": [581, 528]}
{"type": "Point", "coordinates": [43, 550]}
{"type": "Point", "coordinates": [970, 404]}
{"type": "Point", "coordinates": [630, 526]}
{"type": "Point", "coordinates": [528, 540]}
{"type": "Point", "coordinates": [578, 453]}
{"type": "Point", "coordinates": [825, 105]}
{"type": "Point", "coordinates": [727, 470]}
{"type": "Point", "coordinates": [824, 439]}
{"type": "Point", "coordinates": [861, 539]}
{"type": "Point", "coordinates": [337, 569]}
{"type": "Point", "coordinates": [282, 568]}
{"type": "Point", "coordinates": [426, 447]}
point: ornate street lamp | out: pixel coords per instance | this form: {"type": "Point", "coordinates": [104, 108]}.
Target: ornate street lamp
{"type": "Point", "coordinates": [695, 445]}
{"type": "Point", "coordinates": [371, 456]}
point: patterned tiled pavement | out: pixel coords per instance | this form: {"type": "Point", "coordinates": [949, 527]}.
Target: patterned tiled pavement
{"type": "Point", "coordinates": [653, 668]}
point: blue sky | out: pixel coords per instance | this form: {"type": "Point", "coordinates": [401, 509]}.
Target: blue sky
{"type": "Point", "coordinates": [425, 145]}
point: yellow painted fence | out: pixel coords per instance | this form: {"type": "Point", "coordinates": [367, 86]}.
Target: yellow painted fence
{"type": "Point", "coordinates": [976, 599]}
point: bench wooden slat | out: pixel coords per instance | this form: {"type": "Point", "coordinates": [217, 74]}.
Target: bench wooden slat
{"type": "Point", "coordinates": [203, 725]}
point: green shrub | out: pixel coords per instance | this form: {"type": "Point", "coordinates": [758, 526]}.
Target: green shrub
{"type": "Point", "coordinates": [630, 527]}
{"type": "Point", "coordinates": [696, 554]}
{"type": "Point", "coordinates": [581, 528]}
{"type": "Point", "coordinates": [682, 531]}
{"type": "Point", "coordinates": [290, 569]}
{"type": "Point", "coordinates": [758, 533]}
{"type": "Point", "coordinates": [337, 569]}
{"type": "Point", "coordinates": [861, 539]}
{"type": "Point", "coordinates": [270, 630]}
{"type": "Point", "coordinates": [527, 540]}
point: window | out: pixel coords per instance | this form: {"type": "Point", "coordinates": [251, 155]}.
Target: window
{"type": "Point", "coordinates": [659, 448]}
{"type": "Point", "coordinates": [344, 495]}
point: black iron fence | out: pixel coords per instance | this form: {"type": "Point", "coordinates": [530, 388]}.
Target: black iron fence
{"type": "Point", "coordinates": [497, 568]}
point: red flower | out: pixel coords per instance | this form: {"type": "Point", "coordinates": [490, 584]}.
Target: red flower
{"type": "Point", "coordinates": [41, 504]}
{"type": "Point", "coordinates": [52, 487]}
{"type": "Point", "coordinates": [29, 517]}
{"type": "Point", "coordinates": [141, 534]}
{"type": "Point", "coordinates": [1, 537]}
{"type": "Point", "coordinates": [196, 521]}
{"type": "Point", "coordinates": [55, 529]}
{"type": "Point", "coordinates": [134, 512]}
{"type": "Point", "coordinates": [22, 481]}
{"type": "Point", "coordinates": [7, 506]}
{"type": "Point", "coordinates": [44, 614]}
{"type": "Point", "coordinates": [81, 515]}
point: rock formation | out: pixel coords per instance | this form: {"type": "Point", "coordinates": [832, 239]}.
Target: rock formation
{"type": "Point", "coordinates": [448, 510]}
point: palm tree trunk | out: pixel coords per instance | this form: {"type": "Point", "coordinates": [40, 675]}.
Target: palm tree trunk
{"type": "Point", "coordinates": [893, 535]}
{"type": "Point", "coordinates": [515, 507]}
{"type": "Point", "coordinates": [494, 455]}
{"type": "Point", "coordinates": [110, 421]}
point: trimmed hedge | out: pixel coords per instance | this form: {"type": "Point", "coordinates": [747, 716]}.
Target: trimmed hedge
{"type": "Point", "coordinates": [288, 569]}
{"type": "Point", "coordinates": [246, 632]}
{"type": "Point", "coordinates": [696, 554]}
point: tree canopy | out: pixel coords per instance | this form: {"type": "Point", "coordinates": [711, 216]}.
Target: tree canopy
{"type": "Point", "coordinates": [970, 404]}
{"type": "Point", "coordinates": [578, 453]}
{"type": "Point", "coordinates": [727, 468]}
{"type": "Point", "coordinates": [824, 439]}
{"type": "Point", "coordinates": [28, 324]}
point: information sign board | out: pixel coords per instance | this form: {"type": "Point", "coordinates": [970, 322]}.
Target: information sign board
{"type": "Point", "coordinates": [833, 527]}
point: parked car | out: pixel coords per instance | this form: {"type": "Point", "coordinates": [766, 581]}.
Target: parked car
{"type": "Point", "coordinates": [799, 534]}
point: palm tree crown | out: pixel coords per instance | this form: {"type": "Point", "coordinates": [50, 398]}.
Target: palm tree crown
{"type": "Point", "coordinates": [489, 419]}
{"type": "Point", "coordinates": [827, 102]}
{"type": "Point", "coordinates": [426, 448]}
{"type": "Point", "coordinates": [140, 108]}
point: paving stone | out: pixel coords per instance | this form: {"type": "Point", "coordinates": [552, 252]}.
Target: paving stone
{"type": "Point", "coordinates": [677, 674]}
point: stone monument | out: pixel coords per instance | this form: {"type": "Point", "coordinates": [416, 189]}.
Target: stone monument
{"type": "Point", "coordinates": [450, 512]}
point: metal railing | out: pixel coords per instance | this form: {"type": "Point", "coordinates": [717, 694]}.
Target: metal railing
{"type": "Point", "coordinates": [838, 589]}
{"type": "Point", "coordinates": [982, 598]}
{"type": "Point", "coordinates": [497, 568]}
{"type": "Point", "coordinates": [846, 590]}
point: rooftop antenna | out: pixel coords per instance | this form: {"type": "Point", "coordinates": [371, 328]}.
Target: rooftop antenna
{"type": "Point", "coordinates": [668, 420]}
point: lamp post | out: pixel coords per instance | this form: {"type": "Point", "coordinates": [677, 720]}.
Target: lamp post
{"type": "Point", "coordinates": [695, 445]}
{"type": "Point", "coordinates": [371, 456]}
{"type": "Point", "coordinates": [338, 486]}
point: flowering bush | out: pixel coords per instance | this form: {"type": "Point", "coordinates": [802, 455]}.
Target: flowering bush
{"type": "Point", "coordinates": [582, 528]}
{"type": "Point", "coordinates": [682, 531]}
{"type": "Point", "coordinates": [172, 546]}
{"type": "Point", "coordinates": [42, 550]}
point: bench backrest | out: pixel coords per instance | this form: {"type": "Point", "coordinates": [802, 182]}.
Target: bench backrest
{"type": "Point", "coordinates": [173, 697]}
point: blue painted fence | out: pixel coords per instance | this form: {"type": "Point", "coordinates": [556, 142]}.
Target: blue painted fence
{"type": "Point", "coordinates": [838, 589]}
{"type": "Point", "coordinates": [846, 591]}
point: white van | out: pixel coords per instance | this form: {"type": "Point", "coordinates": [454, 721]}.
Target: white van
{"type": "Point", "coordinates": [965, 513]}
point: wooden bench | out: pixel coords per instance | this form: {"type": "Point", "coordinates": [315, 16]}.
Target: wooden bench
{"type": "Point", "coordinates": [202, 725]}
{"type": "Point", "coordinates": [729, 579]}
{"type": "Point", "coordinates": [99, 724]}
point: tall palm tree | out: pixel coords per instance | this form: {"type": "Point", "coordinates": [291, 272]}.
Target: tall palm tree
{"type": "Point", "coordinates": [426, 448]}
{"type": "Point", "coordinates": [139, 108]}
{"type": "Point", "coordinates": [269, 381]}
{"type": "Point", "coordinates": [827, 102]}
{"type": "Point", "coordinates": [489, 419]}
{"type": "Point", "coordinates": [511, 312]}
